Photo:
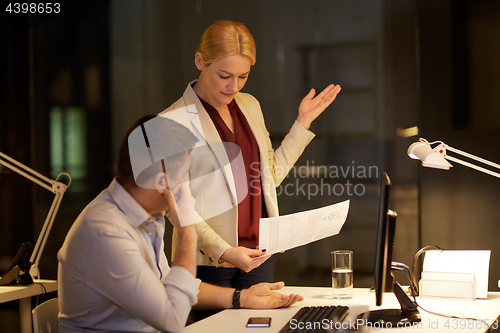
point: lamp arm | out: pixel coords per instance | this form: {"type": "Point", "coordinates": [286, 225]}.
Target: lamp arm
{"type": "Point", "coordinates": [53, 186]}
{"type": "Point", "coordinates": [473, 166]}
{"type": "Point", "coordinates": [44, 234]}
{"type": "Point", "coordinates": [472, 157]}
{"type": "Point", "coordinates": [26, 172]}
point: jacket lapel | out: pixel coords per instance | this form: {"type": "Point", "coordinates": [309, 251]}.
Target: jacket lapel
{"type": "Point", "coordinates": [206, 129]}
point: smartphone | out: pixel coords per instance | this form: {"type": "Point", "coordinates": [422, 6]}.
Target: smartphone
{"type": "Point", "coordinates": [259, 322]}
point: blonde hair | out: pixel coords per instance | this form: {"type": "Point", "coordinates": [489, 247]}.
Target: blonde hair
{"type": "Point", "coordinates": [226, 38]}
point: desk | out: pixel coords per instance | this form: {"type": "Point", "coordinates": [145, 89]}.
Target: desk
{"type": "Point", "coordinates": [235, 320]}
{"type": "Point", "coordinates": [24, 294]}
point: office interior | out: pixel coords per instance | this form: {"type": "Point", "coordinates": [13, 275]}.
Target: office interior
{"type": "Point", "coordinates": [74, 84]}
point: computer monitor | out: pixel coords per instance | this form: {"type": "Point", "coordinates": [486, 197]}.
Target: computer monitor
{"type": "Point", "coordinates": [18, 270]}
{"type": "Point", "coordinates": [383, 254]}
{"type": "Point", "coordinates": [384, 279]}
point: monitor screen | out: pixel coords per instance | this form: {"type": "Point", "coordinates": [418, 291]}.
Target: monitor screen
{"type": "Point", "coordinates": [385, 241]}
{"type": "Point", "coordinates": [18, 270]}
{"type": "Point", "coordinates": [22, 256]}
{"type": "Point", "coordinates": [384, 280]}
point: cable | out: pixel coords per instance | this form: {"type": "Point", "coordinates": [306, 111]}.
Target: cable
{"type": "Point", "coordinates": [430, 143]}
{"type": "Point", "coordinates": [44, 289]}
{"type": "Point", "coordinates": [44, 292]}
{"type": "Point", "coordinates": [451, 316]}
{"type": "Point", "coordinates": [402, 267]}
{"type": "Point", "coordinates": [413, 275]}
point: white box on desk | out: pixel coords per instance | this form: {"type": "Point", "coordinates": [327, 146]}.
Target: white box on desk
{"type": "Point", "coordinates": [475, 262]}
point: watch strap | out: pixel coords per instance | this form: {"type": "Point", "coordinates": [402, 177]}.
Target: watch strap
{"type": "Point", "coordinates": [236, 298]}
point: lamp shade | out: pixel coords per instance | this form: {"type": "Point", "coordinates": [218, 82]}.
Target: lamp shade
{"type": "Point", "coordinates": [431, 159]}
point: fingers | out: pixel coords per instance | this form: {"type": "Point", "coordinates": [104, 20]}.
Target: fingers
{"type": "Point", "coordinates": [183, 205]}
{"type": "Point", "coordinates": [288, 300]}
{"type": "Point", "coordinates": [256, 253]}
{"type": "Point", "coordinates": [176, 192]}
{"type": "Point", "coordinates": [180, 191]}
{"type": "Point", "coordinates": [254, 263]}
{"type": "Point", "coordinates": [297, 298]}
{"type": "Point", "coordinates": [292, 299]}
{"type": "Point", "coordinates": [311, 94]}
{"type": "Point", "coordinates": [333, 93]}
{"type": "Point", "coordinates": [329, 93]}
{"type": "Point", "coordinates": [244, 258]}
{"type": "Point", "coordinates": [328, 89]}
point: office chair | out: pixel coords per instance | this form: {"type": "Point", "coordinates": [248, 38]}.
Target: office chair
{"type": "Point", "coordinates": [45, 317]}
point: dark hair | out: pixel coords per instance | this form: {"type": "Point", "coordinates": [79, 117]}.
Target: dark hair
{"type": "Point", "coordinates": [173, 138]}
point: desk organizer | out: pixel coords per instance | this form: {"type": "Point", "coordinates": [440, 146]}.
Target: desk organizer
{"type": "Point", "coordinates": [448, 285]}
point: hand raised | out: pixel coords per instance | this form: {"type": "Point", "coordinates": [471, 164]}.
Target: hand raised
{"type": "Point", "coordinates": [311, 107]}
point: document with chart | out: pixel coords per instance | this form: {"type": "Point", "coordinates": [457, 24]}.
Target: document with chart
{"type": "Point", "coordinates": [282, 233]}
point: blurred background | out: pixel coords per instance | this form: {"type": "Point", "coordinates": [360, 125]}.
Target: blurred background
{"type": "Point", "coordinates": [74, 82]}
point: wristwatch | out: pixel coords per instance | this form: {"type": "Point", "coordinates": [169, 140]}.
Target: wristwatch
{"type": "Point", "coordinates": [236, 298]}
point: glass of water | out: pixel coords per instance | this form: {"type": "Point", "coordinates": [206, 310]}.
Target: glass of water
{"type": "Point", "coordinates": [342, 274]}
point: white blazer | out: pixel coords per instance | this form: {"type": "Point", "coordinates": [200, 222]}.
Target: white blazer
{"type": "Point", "coordinates": [211, 181]}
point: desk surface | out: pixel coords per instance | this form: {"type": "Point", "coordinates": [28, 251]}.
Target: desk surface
{"type": "Point", "coordinates": [363, 300]}
{"type": "Point", "coordinates": [11, 293]}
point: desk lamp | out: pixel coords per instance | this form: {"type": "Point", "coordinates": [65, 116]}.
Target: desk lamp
{"type": "Point", "coordinates": [53, 186]}
{"type": "Point", "coordinates": [437, 157]}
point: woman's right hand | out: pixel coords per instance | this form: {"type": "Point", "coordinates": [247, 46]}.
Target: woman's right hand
{"type": "Point", "coordinates": [244, 258]}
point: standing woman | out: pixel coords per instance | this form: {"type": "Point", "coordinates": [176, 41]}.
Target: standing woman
{"type": "Point", "coordinates": [228, 253]}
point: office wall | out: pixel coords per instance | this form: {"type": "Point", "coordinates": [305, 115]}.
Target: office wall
{"type": "Point", "coordinates": [55, 93]}
{"type": "Point", "coordinates": [56, 79]}
{"type": "Point", "coordinates": [459, 84]}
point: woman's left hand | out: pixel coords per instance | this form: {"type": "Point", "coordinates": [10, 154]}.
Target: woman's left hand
{"type": "Point", "coordinates": [311, 107]}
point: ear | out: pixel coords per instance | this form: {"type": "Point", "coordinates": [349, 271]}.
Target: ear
{"type": "Point", "coordinates": [198, 61]}
{"type": "Point", "coordinates": [160, 182]}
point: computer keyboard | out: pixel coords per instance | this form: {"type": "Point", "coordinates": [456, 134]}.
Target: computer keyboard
{"type": "Point", "coordinates": [314, 319]}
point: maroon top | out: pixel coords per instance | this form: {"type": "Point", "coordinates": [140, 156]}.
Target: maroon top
{"type": "Point", "coordinates": [252, 207]}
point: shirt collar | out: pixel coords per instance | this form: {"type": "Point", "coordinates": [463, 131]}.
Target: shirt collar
{"type": "Point", "coordinates": [127, 204]}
